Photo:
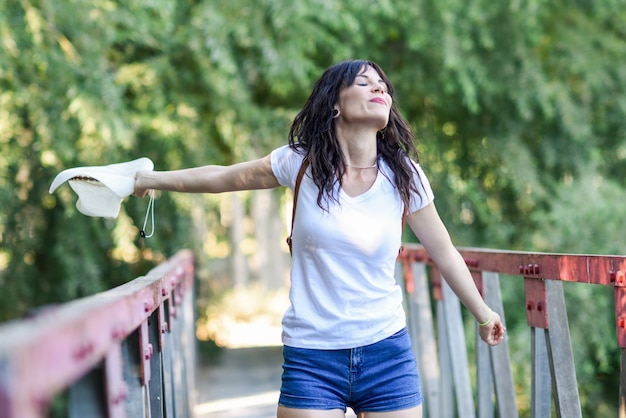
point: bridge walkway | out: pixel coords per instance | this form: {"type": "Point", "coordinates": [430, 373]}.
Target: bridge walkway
{"type": "Point", "coordinates": [249, 383]}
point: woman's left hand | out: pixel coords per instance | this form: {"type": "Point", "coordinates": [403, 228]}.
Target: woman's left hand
{"type": "Point", "coordinates": [493, 332]}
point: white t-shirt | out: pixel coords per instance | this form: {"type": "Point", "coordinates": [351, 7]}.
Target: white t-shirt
{"type": "Point", "coordinates": [343, 290]}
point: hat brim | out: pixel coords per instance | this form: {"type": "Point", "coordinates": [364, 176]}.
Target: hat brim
{"type": "Point", "coordinates": [120, 178]}
{"type": "Point", "coordinates": [101, 189]}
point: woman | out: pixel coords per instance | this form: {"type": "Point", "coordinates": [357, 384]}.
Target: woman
{"type": "Point", "coordinates": [344, 334]}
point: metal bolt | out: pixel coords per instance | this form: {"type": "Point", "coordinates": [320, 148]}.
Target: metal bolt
{"type": "Point", "coordinates": [536, 268]}
{"type": "Point", "coordinates": [117, 333]}
{"type": "Point", "coordinates": [147, 354]}
{"type": "Point", "coordinates": [121, 395]}
{"type": "Point", "coordinates": [83, 351]}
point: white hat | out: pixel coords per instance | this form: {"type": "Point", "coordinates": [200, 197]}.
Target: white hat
{"type": "Point", "coordinates": [101, 189]}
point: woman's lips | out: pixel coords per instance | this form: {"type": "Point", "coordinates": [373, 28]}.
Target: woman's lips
{"type": "Point", "coordinates": [379, 100]}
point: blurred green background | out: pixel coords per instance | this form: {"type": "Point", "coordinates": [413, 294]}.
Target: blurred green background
{"type": "Point", "coordinates": [519, 107]}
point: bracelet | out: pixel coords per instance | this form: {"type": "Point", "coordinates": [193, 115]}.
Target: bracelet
{"type": "Point", "coordinates": [487, 322]}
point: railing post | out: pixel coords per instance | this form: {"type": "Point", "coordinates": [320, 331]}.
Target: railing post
{"type": "Point", "coordinates": [619, 280]}
{"type": "Point", "coordinates": [493, 365]}
{"type": "Point", "coordinates": [458, 353]}
{"type": "Point", "coordinates": [622, 386]}
{"type": "Point", "coordinates": [484, 372]}
{"type": "Point", "coordinates": [184, 341]}
{"type": "Point", "coordinates": [500, 366]}
{"type": "Point", "coordinates": [132, 359]}
{"type": "Point", "coordinates": [562, 363]}
{"type": "Point", "coordinates": [423, 335]}
{"type": "Point", "coordinates": [155, 385]}
{"type": "Point", "coordinates": [168, 362]}
{"type": "Point", "coordinates": [541, 378]}
{"type": "Point", "coordinates": [116, 388]}
{"type": "Point", "coordinates": [545, 306]}
{"type": "Point", "coordinates": [447, 405]}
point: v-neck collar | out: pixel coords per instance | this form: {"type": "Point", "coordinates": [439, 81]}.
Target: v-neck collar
{"type": "Point", "coordinates": [372, 189]}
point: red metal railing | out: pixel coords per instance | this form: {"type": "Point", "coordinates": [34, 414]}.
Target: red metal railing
{"type": "Point", "coordinates": [127, 352]}
{"type": "Point", "coordinates": [553, 371]}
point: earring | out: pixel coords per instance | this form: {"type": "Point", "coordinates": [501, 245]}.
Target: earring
{"type": "Point", "coordinates": [336, 113]}
{"type": "Point", "coordinates": [382, 133]}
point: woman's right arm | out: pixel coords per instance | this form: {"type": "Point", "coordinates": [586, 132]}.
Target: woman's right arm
{"type": "Point", "coordinates": [249, 175]}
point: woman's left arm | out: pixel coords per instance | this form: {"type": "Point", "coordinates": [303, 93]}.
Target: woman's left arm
{"type": "Point", "coordinates": [432, 233]}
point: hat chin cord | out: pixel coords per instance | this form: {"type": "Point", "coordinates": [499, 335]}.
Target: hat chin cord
{"type": "Point", "coordinates": [149, 212]}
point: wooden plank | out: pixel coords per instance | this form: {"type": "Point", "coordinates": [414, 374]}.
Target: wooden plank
{"type": "Point", "coordinates": [458, 352]}
{"type": "Point", "coordinates": [177, 370]}
{"type": "Point", "coordinates": [135, 403]}
{"type": "Point", "coordinates": [168, 373]}
{"type": "Point", "coordinates": [188, 337]}
{"type": "Point", "coordinates": [500, 359]}
{"type": "Point", "coordinates": [155, 385]}
{"type": "Point", "coordinates": [422, 320]}
{"type": "Point", "coordinates": [484, 379]}
{"type": "Point", "coordinates": [447, 405]}
{"type": "Point", "coordinates": [562, 366]}
{"type": "Point", "coordinates": [541, 377]}
{"type": "Point", "coordinates": [115, 387]}
{"type": "Point", "coordinates": [622, 386]}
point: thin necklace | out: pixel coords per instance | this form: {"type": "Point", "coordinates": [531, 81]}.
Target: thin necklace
{"type": "Point", "coordinates": [364, 168]}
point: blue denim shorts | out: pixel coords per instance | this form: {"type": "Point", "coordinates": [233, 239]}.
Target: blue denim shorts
{"type": "Point", "coordinates": [380, 377]}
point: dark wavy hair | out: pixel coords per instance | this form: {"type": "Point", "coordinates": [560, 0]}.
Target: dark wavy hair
{"type": "Point", "coordinates": [312, 134]}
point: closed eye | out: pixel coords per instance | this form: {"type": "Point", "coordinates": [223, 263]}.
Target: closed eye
{"type": "Point", "coordinates": [382, 84]}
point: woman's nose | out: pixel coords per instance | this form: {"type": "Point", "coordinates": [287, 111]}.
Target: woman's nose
{"type": "Point", "coordinates": [378, 88]}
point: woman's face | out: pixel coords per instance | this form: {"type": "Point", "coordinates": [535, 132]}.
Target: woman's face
{"type": "Point", "coordinates": [366, 101]}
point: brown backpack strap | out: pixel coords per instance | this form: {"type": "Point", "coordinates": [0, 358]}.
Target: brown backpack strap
{"type": "Point", "coordinates": [404, 211]}
{"type": "Point", "coordinates": [296, 189]}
